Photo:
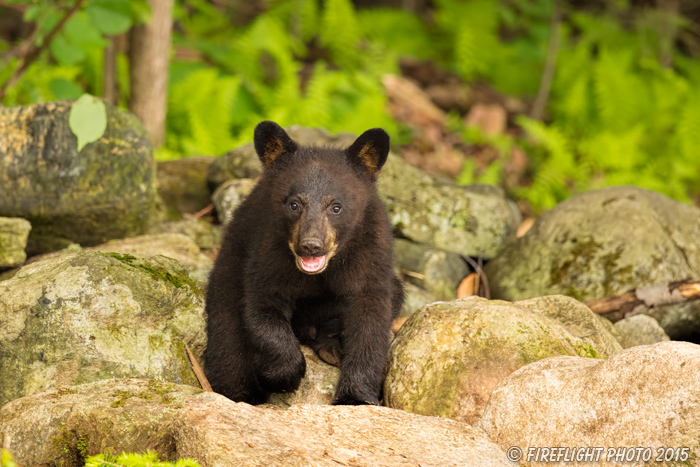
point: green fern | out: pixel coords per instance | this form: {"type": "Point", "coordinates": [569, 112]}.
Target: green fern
{"type": "Point", "coordinates": [148, 459]}
{"type": "Point", "coordinates": [340, 32]}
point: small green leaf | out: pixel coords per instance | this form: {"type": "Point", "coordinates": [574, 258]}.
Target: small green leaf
{"type": "Point", "coordinates": [65, 52]}
{"type": "Point", "coordinates": [88, 119]}
{"type": "Point", "coordinates": [63, 89]}
{"type": "Point", "coordinates": [108, 21]}
{"type": "Point", "coordinates": [32, 13]}
{"type": "Point", "coordinates": [80, 31]}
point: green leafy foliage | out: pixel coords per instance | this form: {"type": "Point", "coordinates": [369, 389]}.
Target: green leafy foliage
{"type": "Point", "coordinates": [619, 117]}
{"type": "Point", "coordinates": [624, 106]}
{"type": "Point", "coordinates": [148, 459]}
{"type": "Point", "coordinates": [75, 54]}
{"type": "Point", "coordinates": [6, 459]}
{"type": "Point", "coordinates": [87, 119]}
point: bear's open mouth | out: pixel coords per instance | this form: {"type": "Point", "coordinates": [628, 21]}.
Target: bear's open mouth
{"type": "Point", "coordinates": [311, 264]}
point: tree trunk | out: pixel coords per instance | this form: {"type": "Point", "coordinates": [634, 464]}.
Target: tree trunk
{"type": "Point", "coordinates": [109, 82]}
{"type": "Point", "coordinates": [149, 54]}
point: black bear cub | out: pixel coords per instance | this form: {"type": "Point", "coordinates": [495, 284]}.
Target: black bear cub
{"type": "Point", "coordinates": [307, 259]}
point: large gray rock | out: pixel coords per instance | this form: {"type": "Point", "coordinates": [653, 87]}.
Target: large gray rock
{"type": "Point", "coordinates": [105, 191]}
{"type": "Point", "coordinates": [640, 330]}
{"type": "Point", "coordinates": [603, 243]}
{"type": "Point", "coordinates": [448, 357]}
{"type": "Point", "coordinates": [182, 184]}
{"type": "Point", "coordinates": [229, 196]}
{"type": "Point", "coordinates": [474, 220]}
{"type": "Point", "coordinates": [646, 396]}
{"type": "Point", "coordinates": [415, 298]}
{"type": "Point", "coordinates": [13, 240]}
{"type": "Point", "coordinates": [61, 427]}
{"type": "Point", "coordinates": [435, 270]}
{"type": "Point", "coordinates": [88, 316]}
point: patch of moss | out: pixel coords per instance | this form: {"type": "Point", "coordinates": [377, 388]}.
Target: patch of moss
{"type": "Point", "coordinates": [157, 272]}
{"type": "Point", "coordinates": [560, 274]}
{"type": "Point", "coordinates": [123, 396]}
{"type": "Point", "coordinates": [70, 449]}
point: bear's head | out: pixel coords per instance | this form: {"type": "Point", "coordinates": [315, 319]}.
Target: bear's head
{"type": "Point", "coordinates": [321, 194]}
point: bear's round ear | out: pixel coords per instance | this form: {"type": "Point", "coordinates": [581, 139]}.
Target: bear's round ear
{"type": "Point", "coordinates": [370, 150]}
{"type": "Point", "coordinates": [271, 141]}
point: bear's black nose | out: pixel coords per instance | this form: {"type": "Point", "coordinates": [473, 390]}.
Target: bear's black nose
{"type": "Point", "coordinates": [311, 247]}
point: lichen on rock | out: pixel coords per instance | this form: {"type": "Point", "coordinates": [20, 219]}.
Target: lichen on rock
{"type": "Point", "coordinates": [87, 316]}
{"type": "Point", "coordinates": [645, 396]}
{"type": "Point", "coordinates": [13, 241]}
{"type": "Point", "coordinates": [448, 356]}
{"type": "Point", "coordinates": [105, 191]}
{"type": "Point", "coordinates": [176, 421]}
{"type": "Point", "coordinates": [584, 248]}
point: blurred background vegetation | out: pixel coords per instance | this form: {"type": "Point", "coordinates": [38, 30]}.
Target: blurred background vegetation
{"type": "Point", "coordinates": [543, 97]}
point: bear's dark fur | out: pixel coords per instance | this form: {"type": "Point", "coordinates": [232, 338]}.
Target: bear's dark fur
{"type": "Point", "coordinates": [306, 259]}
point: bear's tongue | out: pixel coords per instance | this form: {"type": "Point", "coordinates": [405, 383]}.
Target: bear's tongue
{"type": "Point", "coordinates": [312, 263]}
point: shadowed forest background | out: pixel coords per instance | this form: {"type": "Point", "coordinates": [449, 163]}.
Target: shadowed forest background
{"type": "Point", "coordinates": [546, 98]}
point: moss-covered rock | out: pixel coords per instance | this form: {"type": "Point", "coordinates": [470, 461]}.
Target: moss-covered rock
{"type": "Point", "coordinates": [87, 316]}
{"type": "Point", "coordinates": [229, 196]}
{"type": "Point", "coordinates": [105, 191]}
{"type": "Point", "coordinates": [435, 270]}
{"type": "Point", "coordinates": [603, 243]}
{"type": "Point", "coordinates": [183, 184]}
{"type": "Point", "coordinates": [13, 240]}
{"type": "Point", "coordinates": [448, 357]}
{"type": "Point", "coordinates": [647, 396]}
{"type": "Point", "coordinates": [474, 220]}
{"type": "Point", "coordinates": [172, 245]}
{"type": "Point", "coordinates": [59, 428]}
{"type": "Point", "coordinates": [640, 330]}
{"type": "Point", "coordinates": [415, 298]}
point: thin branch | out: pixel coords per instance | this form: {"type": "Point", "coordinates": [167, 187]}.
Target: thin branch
{"type": "Point", "coordinates": [199, 373]}
{"type": "Point", "coordinates": [550, 64]}
{"type": "Point", "coordinates": [482, 275]}
{"type": "Point", "coordinates": [643, 298]}
{"type": "Point", "coordinates": [33, 51]}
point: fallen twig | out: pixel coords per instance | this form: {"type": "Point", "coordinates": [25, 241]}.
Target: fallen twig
{"type": "Point", "coordinates": [199, 373]}
{"type": "Point", "coordinates": [482, 276]}
{"type": "Point", "coordinates": [199, 214]}
{"type": "Point", "coordinates": [642, 299]}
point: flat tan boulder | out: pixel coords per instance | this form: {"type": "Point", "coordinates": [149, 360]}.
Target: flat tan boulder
{"type": "Point", "coordinates": [175, 421]}
{"type": "Point", "coordinates": [448, 357]}
{"type": "Point", "coordinates": [645, 396]}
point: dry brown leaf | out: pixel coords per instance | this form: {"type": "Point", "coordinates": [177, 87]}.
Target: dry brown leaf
{"type": "Point", "coordinates": [467, 286]}
{"type": "Point", "coordinates": [410, 104]}
{"type": "Point", "coordinates": [525, 226]}
{"type": "Point", "coordinates": [491, 118]}
{"type": "Point", "coordinates": [397, 323]}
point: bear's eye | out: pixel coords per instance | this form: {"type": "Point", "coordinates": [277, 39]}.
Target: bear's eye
{"type": "Point", "coordinates": [336, 209]}
{"type": "Point", "coordinates": [293, 206]}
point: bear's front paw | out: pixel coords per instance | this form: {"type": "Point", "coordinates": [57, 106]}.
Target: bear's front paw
{"type": "Point", "coordinates": [349, 396]}
{"type": "Point", "coordinates": [352, 400]}
{"type": "Point", "coordinates": [284, 376]}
